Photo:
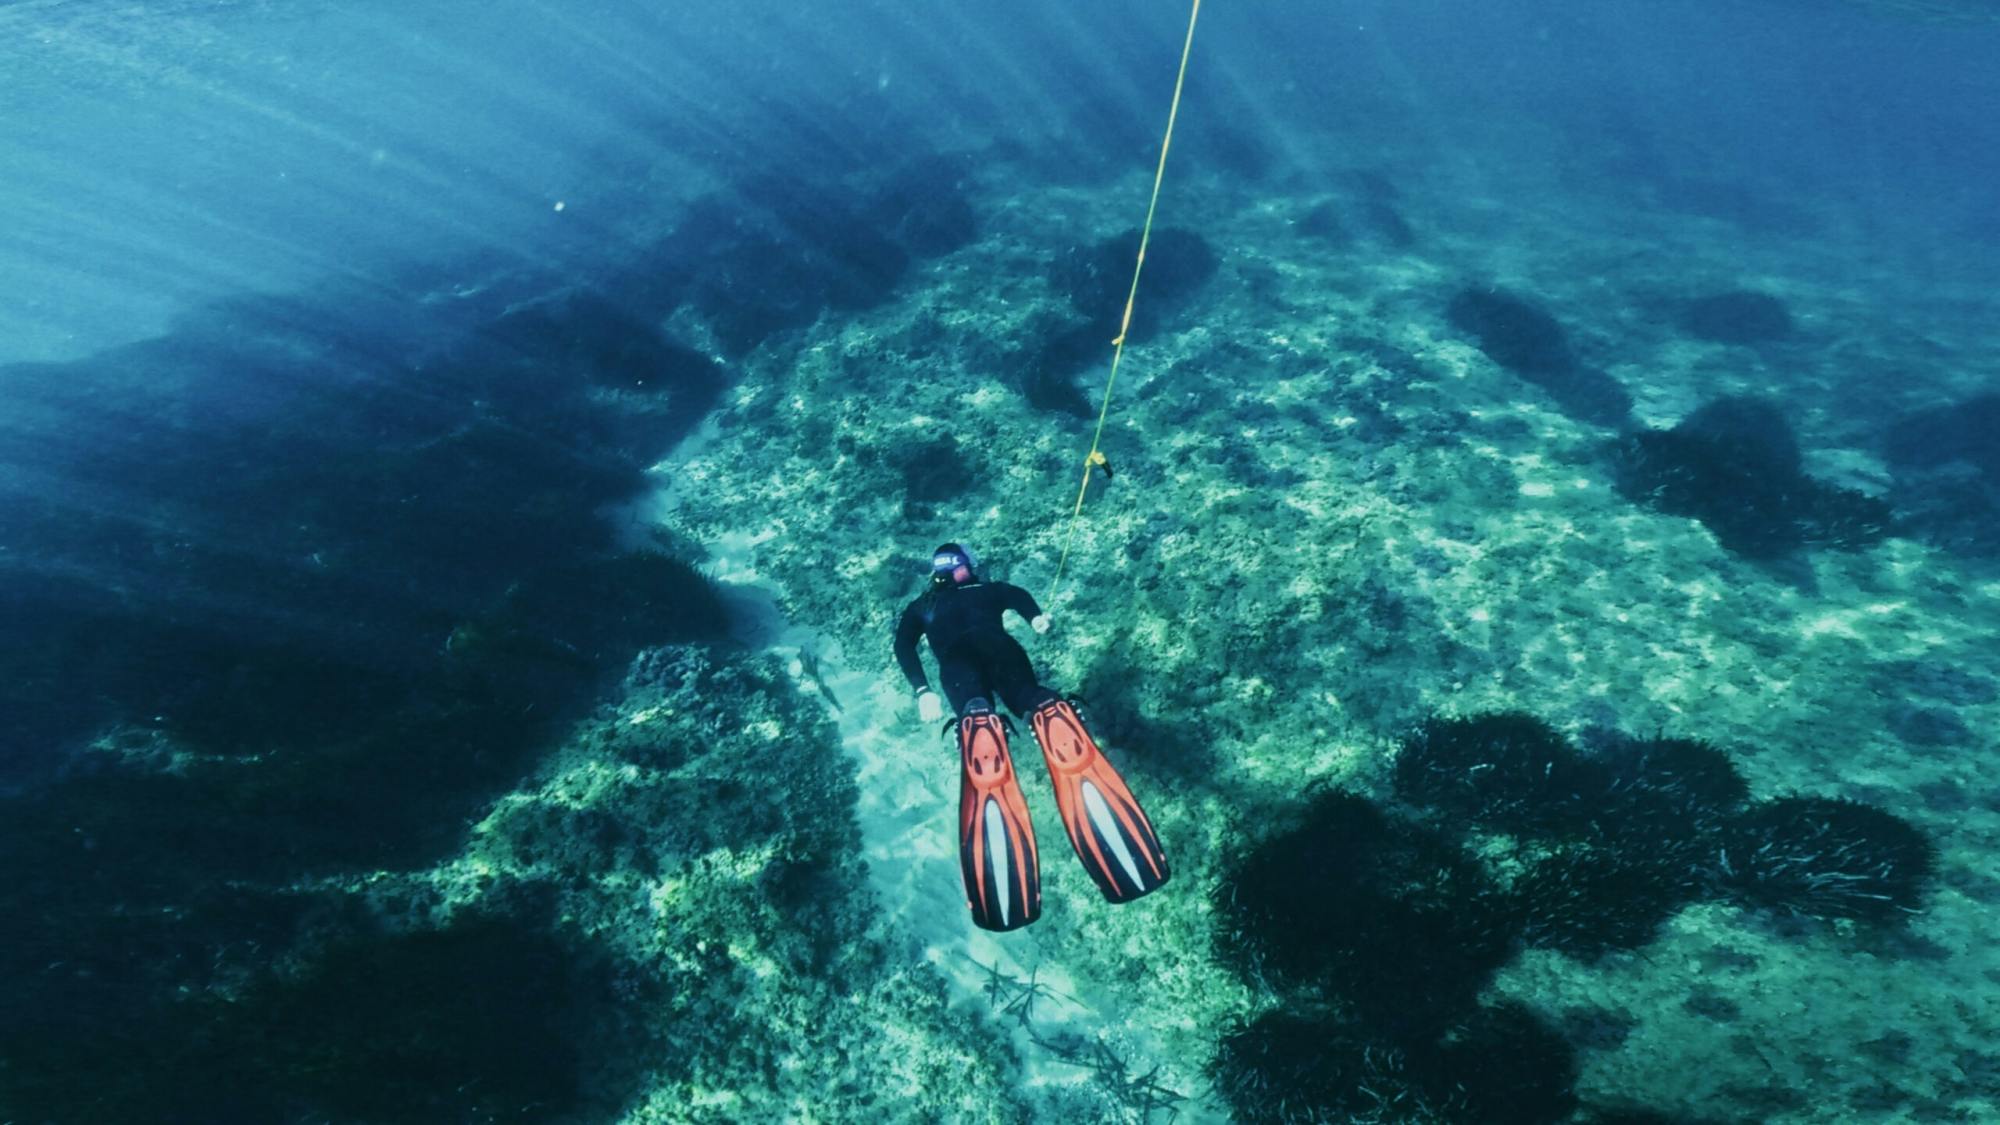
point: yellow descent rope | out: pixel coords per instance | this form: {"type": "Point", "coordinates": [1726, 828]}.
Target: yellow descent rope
{"type": "Point", "coordinates": [1095, 457]}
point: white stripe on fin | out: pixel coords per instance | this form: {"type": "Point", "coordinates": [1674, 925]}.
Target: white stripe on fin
{"type": "Point", "coordinates": [1108, 827]}
{"type": "Point", "coordinates": [999, 857]}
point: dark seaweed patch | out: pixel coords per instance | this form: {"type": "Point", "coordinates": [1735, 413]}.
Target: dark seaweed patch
{"type": "Point", "coordinates": [1645, 825]}
{"type": "Point", "coordinates": [1323, 221]}
{"type": "Point", "coordinates": [1961, 431]}
{"type": "Point", "coordinates": [933, 472]}
{"type": "Point", "coordinates": [1525, 339]}
{"type": "Point", "coordinates": [1306, 1067]}
{"type": "Point", "coordinates": [1606, 848]}
{"type": "Point", "coordinates": [1666, 789]}
{"type": "Point", "coordinates": [1510, 770]}
{"type": "Point", "coordinates": [1828, 858]}
{"type": "Point", "coordinates": [1049, 369]}
{"type": "Point", "coordinates": [485, 1020]}
{"type": "Point", "coordinates": [1310, 1065]}
{"type": "Point", "coordinates": [1735, 466]}
{"type": "Point", "coordinates": [1588, 900]}
{"type": "Point", "coordinates": [1502, 1063]}
{"type": "Point", "coordinates": [1513, 333]}
{"type": "Point", "coordinates": [1096, 278]}
{"type": "Point", "coordinates": [1947, 462]}
{"type": "Point", "coordinates": [1404, 930]}
{"type": "Point", "coordinates": [1739, 316]}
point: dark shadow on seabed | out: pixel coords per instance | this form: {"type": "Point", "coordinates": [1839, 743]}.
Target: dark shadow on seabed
{"type": "Point", "coordinates": [295, 591]}
{"type": "Point", "coordinates": [288, 603]}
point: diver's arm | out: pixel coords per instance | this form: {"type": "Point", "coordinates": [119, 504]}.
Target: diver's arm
{"type": "Point", "coordinates": [1020, 601]}
{"type": "Point", "coordinates": [907, 631]}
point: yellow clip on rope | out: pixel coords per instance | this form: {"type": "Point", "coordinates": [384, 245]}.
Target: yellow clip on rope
{"type": "Point", "coordinates": [1095, 458]}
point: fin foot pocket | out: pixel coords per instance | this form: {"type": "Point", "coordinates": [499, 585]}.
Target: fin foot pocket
{"type": "Point", "coordinates": [996, 840]}
{"type": "Point", "coordinates": [1106, 826]}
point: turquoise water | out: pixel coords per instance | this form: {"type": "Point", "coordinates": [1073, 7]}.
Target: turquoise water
{"type": "Point", "coordinates": [461, 469]}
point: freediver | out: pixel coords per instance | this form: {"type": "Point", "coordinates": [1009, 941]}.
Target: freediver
{"type": "Point", "coordinates": [963, 618]}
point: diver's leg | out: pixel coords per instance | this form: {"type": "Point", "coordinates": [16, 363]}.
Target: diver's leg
{"type": "Point", "coordinates": [963, 683]}
{"type": "Point", "coordinates": [1013, 677]}
{"type": "Point", "coordinates": [996, 840]}
{"type": "Point", "coordinates": [1106, 826]}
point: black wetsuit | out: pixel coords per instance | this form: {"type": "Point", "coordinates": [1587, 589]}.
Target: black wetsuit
{"type": "Point", "coordinates": [976, 658]}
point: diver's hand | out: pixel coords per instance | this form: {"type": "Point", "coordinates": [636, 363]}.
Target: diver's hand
{"type": "Point", "coordinates": [928, 707]}
{"type": "Point", "coordinates": [1040, 623]}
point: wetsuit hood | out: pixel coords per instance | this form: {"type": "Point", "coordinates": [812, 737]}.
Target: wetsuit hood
{"type": "Point", "coordinates": [953, 565]}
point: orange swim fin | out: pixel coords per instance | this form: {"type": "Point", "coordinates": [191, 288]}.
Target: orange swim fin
{"type": "Point", "coordinates": [996, 840]}
{"type": "Point", "coordinates": [1106, 826]}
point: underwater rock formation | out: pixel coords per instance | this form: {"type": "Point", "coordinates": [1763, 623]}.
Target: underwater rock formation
{"type": "Point", "coordinates": [321, 487]}
{"type": "Point", "coordinates": [369, 591]}
{"type": "Point", "coordinates": [1943, 681]}
{"type": "Point", "coordinates": [1228, 143]}
{"type": "Point", "coordinates": [264, 940]}
{"type": "Point", "coordinates": [1930, 726]}
{"type": "Point", "coordinates": [1734, 465]}
{"type": "Point", "coordinates": [584, 370]}
{"type": "Point", "coordinates": [852, 263]}
{"type": "Point", "coordinates": [1635, 1115]}
{"type": "Point", "coordinates": [1323, 221]}
{"type": "Point", "coordinates": [1096, 279]}
{"type": "Point", "coordinates": [1386, 223]}
{"type": "Point", "coordinates": [599, 611]}
{"type": "Point", "coordinates": [584, 335]}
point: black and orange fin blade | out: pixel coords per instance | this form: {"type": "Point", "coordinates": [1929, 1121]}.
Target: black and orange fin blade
{"type": "Point", "coordinates": [996, 840]}
{"type": "Point", "coordinates": [1106, 826]}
